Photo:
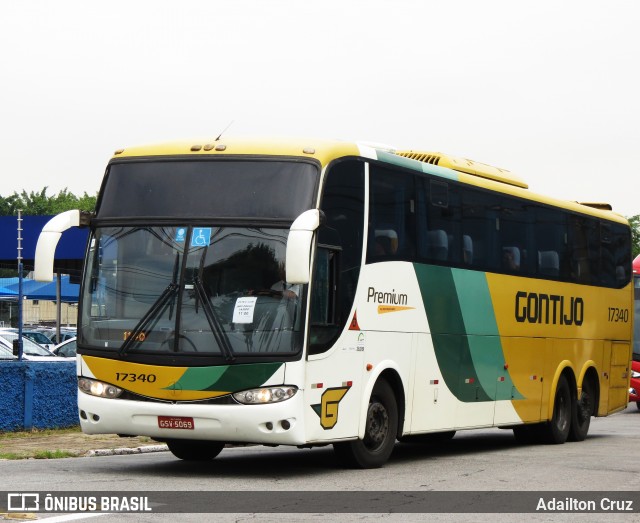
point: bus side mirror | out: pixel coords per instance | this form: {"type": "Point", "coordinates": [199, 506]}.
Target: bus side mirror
{"type": "Point", "coordinates": [48, 241]}
{"type": "Point", "coordinates": [298, 260]}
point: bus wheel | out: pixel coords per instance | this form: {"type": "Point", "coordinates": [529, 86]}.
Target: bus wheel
{"type": "Point", "coordinates": [380, 432]}
{"type": "Point", "coordinates": [557, 430]}
{"type": "Point", "coordinates": [638, 404]}
{"type": "Point", "coordinates": [585, 407]}
{"type": "Point", "coordinates": [190, 450]}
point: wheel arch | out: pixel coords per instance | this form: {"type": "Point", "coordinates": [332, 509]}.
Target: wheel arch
{"type": "Point", "coordinates": [388, 372]}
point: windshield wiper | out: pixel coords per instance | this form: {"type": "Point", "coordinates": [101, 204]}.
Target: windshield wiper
{"type": "Point", "coordinates": [157, 306]}
{"type": "Point", "coordinates": [218, 332]}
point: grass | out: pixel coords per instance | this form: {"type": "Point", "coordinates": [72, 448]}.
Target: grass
{"type": "Point", "coordinates": [40, 454]}
{"type": "Point", "coordinates": [59, 443]}
{"type": "Point", "coordinates": [11, 455]}
{"type": "Point", "coordinates": [54, 454]}
{"type": "Point", "coordinates": [35, 435]}
{"type": "Point", "coordinates": [39, 432]}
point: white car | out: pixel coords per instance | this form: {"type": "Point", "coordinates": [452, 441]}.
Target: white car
{"type": "Point", "coordinates": [31, 351]}
{"type": "Point", "coordinates": [39, 337]}
{"type": "Point", "coordinates": [66, 349]}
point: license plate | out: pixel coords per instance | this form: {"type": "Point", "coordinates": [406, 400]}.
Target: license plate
{"type": "Point", "coordinates": [175, 422]}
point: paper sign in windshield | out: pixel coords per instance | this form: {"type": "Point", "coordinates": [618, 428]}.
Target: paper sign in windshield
{"type": "Point", "coordinates": [243, 311]}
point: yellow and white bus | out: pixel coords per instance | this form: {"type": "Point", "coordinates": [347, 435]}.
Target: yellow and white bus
{"type": "Point", "coordinates": [314, 292]}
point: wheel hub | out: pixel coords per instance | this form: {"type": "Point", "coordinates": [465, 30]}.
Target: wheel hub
{"type": "Point", "coordinates": [377, 425]}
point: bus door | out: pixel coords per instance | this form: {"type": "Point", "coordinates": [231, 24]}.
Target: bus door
{"type": "Point", "coordinates": [333, 380]}
{"type": "Point", "coordinates": [616, 365]}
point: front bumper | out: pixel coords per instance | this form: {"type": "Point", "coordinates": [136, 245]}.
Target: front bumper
{"type": "Point", "coordinates": [269, 424]}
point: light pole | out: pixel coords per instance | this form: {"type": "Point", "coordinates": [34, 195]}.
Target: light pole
{"type": "Point", "coordinates": [17, 347]}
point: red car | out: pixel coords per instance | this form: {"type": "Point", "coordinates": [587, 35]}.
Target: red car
{"type": "Point", "coordinates": [634, 387]}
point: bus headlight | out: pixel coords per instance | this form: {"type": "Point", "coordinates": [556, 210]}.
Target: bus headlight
{"type": "Point", "coordinates": [265, 395]}
{"type": "Point", "coordinates": [98, 388]}
{"type": "Point", "coordinates": [635, 374]}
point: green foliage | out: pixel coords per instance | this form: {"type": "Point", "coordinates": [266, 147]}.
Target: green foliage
{"type": "Point", "coordinates": [634, 221]}
{"type": "Point", "coordinates": [39, 203]}
{"type": "Point", "coordinates": [54, 454]}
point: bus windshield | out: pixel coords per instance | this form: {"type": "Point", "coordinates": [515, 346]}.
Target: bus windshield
{"type": "Point", "coordinates": [216, 188]}
{"type": "Point", "coordinates": [200, 290]}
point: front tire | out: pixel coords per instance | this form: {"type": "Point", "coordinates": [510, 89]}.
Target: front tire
{"type": "Point", "coordinates": [190, 450]}
{"type": "Point", "coordinates": [380, 433]}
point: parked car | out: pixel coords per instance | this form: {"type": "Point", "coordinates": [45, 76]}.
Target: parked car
{"type": "Point", "coordinates": [30, 349]}
{"type": "Point", "coordinates": [39, 338]}
{"type": "Point", "coordinates": [64, 335]}
{"type": "Point", "coordinates": [66, 349]}
{"type": "Point", "coordinates": [6, 354]}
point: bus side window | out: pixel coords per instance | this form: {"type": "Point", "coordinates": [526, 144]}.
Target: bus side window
{"type": "Point", "coordinates": [324, 325]}
{"type": "Point", "coordinates": [437, 245]}
{"type": "Point", "coordinates": [386, 243]}
{"type": "Point", "coordinates": [467, 249]}
{"type": "Point", "coordinates": [548, 263]}
{"type": "Point", "coordinates": [339, 252]}
{"type": "Point", "coordinates": [511, 258]}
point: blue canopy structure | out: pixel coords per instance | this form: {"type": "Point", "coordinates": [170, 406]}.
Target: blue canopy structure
{"type": "Point", "coordinates": [35, 290]}
{"type": "Point", "coordinates": [7, 294]}
{"type": "Point", "coordinates": [69, 253]}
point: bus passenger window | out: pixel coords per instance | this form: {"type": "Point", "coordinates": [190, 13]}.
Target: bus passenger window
{"type": "Point", "coordinates": [437, 245]}
{"type": "Point", "coordinates": [467, 249]}
{"type": "Point", "coordinates": [548, 263]}
{"type": "Point", "coordinates": [386, 243]}
{"type": "Point", "coordinates": [511, 259]}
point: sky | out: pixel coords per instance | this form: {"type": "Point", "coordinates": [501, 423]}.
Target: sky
{"type": "Point", "coordinates": [547, 89]}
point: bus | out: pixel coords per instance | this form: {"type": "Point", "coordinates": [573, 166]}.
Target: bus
{"type": "Point", "coordinates": [634, 388]}
{"type": "Point", "coordinates": [312, 292]}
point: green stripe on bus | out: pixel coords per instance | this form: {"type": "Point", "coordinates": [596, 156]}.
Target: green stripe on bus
{"type": "Point", "coordinates": [448, 333]}
{"type": "Point", "coordinates": [465, 333]}
{"type": "Point", "coordinates": [481, 326]}
{"type": "Point", "coordinates": [227, 378]}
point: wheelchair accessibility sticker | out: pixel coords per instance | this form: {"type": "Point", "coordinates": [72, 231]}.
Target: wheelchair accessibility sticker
{"type": "Point", "coordinates": [201, 237]}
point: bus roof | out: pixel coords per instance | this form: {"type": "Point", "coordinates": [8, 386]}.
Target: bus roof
{"type": "Point", "coordinates": [321, 150]}
{"type": "Point", "coordinates": [324, 151]}
{"type": "Point", "coordinates": [467, 166]}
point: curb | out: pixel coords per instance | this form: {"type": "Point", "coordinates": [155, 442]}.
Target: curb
{"type": "Point", "coordinates": [122, 451]}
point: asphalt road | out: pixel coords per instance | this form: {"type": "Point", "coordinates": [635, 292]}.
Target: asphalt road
{"type": "Point", "coordinates": [608, 462]}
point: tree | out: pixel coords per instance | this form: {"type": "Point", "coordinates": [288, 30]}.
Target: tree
{"type": "Point", "coordinates": [39, 203]}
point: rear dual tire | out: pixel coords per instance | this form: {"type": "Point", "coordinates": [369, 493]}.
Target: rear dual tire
{"type": "Point", "coordinates": [584, 408]}
{"type": "Point", "coordinates": [570, 420]}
